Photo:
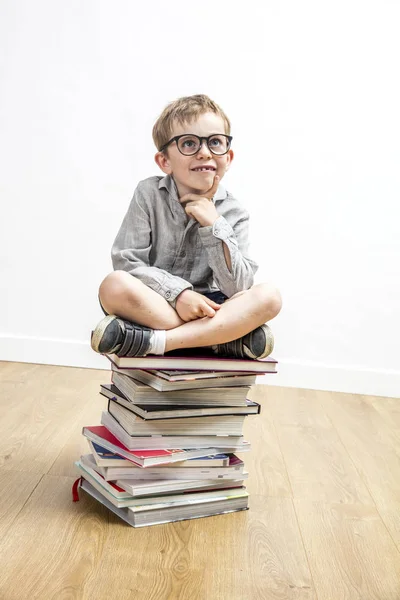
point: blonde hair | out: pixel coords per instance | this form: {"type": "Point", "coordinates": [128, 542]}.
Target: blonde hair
{"type": "Point", "coordinates": [184, 110]}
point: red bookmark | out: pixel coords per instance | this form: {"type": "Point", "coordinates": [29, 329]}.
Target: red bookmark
{"type": "Point", "coordinates": [75, 487]}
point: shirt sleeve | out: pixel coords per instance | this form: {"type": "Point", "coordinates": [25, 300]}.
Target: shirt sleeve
{"type": "Point", "coordinates": [131, 252]}
{"type": "Point", "coordinates": [236, 236]}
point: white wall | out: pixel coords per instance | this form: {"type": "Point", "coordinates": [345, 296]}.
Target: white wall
{"type": "Point", "coordinates": [312, 89]}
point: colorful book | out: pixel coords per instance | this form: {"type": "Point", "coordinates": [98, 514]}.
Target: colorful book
{"type": "Point", "coordinates": [234, 470]}
{"type": "Point", "coordinates": [141, 516]}
{"type": "Point", "coordinates": [102, 436]}
{"type": "Point", "coordinates": [121, 497]}
{"type": "Point", "coordinates": [107, 458]}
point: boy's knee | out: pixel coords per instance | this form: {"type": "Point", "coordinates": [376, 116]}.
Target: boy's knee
{"type": "Point", "coordinates": [270, 299]}
{"type": "Point", "coordinates": [113, 288]}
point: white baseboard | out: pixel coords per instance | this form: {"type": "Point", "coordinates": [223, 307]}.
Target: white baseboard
{"type": "Point", "coordinates": [292, 373]}
{"type": "Point", "coordinates": [335, 378]}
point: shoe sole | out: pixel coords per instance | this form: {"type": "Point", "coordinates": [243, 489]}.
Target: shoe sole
{"type": "Point", "coordinates": [269, 345]}
{"type": "Point", "coordinates": [98, 333]}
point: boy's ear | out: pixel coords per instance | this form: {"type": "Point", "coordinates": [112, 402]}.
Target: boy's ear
{"type": "Point", "coordinates": [230, 155]}
{"type": "Point", "coordinates": [163, 162]}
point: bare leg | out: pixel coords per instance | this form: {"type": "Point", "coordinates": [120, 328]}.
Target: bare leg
{"type": "Point", "coordinates": [125, 296]}
{"type": "Point", "coordinates": [241, 314]}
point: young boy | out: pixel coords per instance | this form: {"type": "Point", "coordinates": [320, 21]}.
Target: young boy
{"type": "Point", "coordinates": [183, 277]}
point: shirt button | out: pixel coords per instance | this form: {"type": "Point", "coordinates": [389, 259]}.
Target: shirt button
{"type": "Point", "coordinates": [216, 231]}
{"type": "Point", "coordinates": [168, 294]}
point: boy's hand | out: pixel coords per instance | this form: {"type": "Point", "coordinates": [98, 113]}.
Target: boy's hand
{"type": "Point", "coordinates": [202, 207]}
{"type": "Point", "coordinates": [191, 305]}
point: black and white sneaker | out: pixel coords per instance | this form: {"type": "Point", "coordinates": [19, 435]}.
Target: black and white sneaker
{"type": "Point", "coordinates": [114, 335]}
{"type": "Point", "coordinates": [256, 345]}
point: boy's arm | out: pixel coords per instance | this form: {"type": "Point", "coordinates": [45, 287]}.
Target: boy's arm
{"type": "Point", "coordinates": [220, 239]}
{"type": "Point", "coordinates": [226, 245]}
{"type": "Point", "coordinates": [131, 251]}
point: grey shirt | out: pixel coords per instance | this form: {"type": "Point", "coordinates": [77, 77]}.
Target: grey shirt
{"type": "Point", "coordinates": [170, 252]}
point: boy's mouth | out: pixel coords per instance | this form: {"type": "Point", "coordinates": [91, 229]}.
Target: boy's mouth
{"type": "Point", "coordinates": [204, 168]}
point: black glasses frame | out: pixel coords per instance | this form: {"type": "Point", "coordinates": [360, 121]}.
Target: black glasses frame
{"type": "Point", "coordinates": [207, 139]}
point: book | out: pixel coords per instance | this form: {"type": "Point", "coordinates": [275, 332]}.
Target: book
{"type": "Point", "coordinates": [107, 458]}
{"type": "Point", "coordinates": [143, 393]}
{"type": "Point", "coordinates": [234, 443]}
{"type": "Point", "coordinates": [159, 380]}
{"type": "Point", "coordinates": [169, 513]}
{"type": "Point", "coordinates": [105, 438]}
{"type": "Point", "coordinates": [190, 375]}
{"type": "Point", "coordinates": [121, 497]}
{"type": "Point", "coordinates": [161, 411]}
{"type": "Point", "coordinates": [207, 425]}
{"type": "Point", "coordinates": [234, 470]}
{"type": "Point", "coordinates": [192, 360]}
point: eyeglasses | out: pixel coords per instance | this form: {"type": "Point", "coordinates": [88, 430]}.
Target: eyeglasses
{"type": "Point", "coordinates": [189, 144]}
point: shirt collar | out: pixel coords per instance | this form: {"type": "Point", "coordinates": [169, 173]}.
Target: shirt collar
{"type": "Point", "coordinates": [168, 183]}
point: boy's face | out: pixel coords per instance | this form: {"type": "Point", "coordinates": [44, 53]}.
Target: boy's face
{"type": "Point", "coordinates": [185, 169]}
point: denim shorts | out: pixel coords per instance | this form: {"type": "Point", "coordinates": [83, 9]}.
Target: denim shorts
{"type": "Point", "coordinates": [216, 296]}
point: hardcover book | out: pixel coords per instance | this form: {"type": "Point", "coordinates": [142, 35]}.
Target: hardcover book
{"type": "Point", "coordinates": [167, 513]}
{"type": "Point", "coordinates": [102, 436]}
{"type": "Point", "coordinates": [163, 382]}
{"type": "Point", "coordinates": [234, 470]}
{"type": "Point", "coordinates": [174, 411]}
{"type": "Point", "coordinates": [193, 360]}
{"type": "Point", "coordinates": [141, 393]}
{"type": "Point", "coordinates": [234, 443]}
{"type": "Point", "coordinates": [107, 458]}
{"type": "Point", "coordinates": [212, 425]}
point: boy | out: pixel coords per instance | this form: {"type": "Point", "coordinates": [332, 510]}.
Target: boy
{"type": "Point", "coordinates": [182, 249]}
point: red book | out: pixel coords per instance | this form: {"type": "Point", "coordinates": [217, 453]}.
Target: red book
{"type": "Point", "coordinates": [144, 458]}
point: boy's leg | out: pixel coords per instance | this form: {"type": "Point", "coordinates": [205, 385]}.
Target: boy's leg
{"type": "Point", "coordinates": [239, 315]}
{"type": "Point", "coordinates": [123, 295]}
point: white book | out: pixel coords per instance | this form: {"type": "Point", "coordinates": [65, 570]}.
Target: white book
{"type": "Point", "coordinates": [169, 442]}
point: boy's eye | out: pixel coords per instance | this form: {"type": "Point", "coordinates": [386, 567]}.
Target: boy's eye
{"type": "Point", "coordinates": [215, 141]}
{"type": "Point", "coordinates": [188, 142]}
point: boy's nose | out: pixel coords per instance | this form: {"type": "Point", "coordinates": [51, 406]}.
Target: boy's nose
{"type": "Point", "coordinates": [204, 149]}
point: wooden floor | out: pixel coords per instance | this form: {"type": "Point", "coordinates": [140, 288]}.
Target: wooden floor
{"type": "Point", "coordinates": [324, 490]}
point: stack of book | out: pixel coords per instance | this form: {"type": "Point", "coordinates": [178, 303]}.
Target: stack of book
{"type": "Point", "coordinates": [166, 449]}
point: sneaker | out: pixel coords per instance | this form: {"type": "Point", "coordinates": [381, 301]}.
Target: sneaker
{"type": "Point", "coordinates": [256, 344]}
{"type": "Point", "coordinates": [123, 338]}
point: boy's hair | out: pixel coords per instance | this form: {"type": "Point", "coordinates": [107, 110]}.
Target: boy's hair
{"type": "Point", "coordinates": [184, 110]}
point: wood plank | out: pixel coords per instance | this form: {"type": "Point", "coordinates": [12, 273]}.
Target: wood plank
{"type": "Point", "coordinates": [319, 466]}
{"type": "Point", "coordinates": [373, 445]}
{"type": "Point", "coordinates": [264, 462]}
{"type": "Point", "coordinates": [292, 406]}
{"type": "Point", "coordinates": [350, 552]}
{"type": "Point", "coordinates": [15, 489]}
{"type": "Point", "coordinates": [43, 413]}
